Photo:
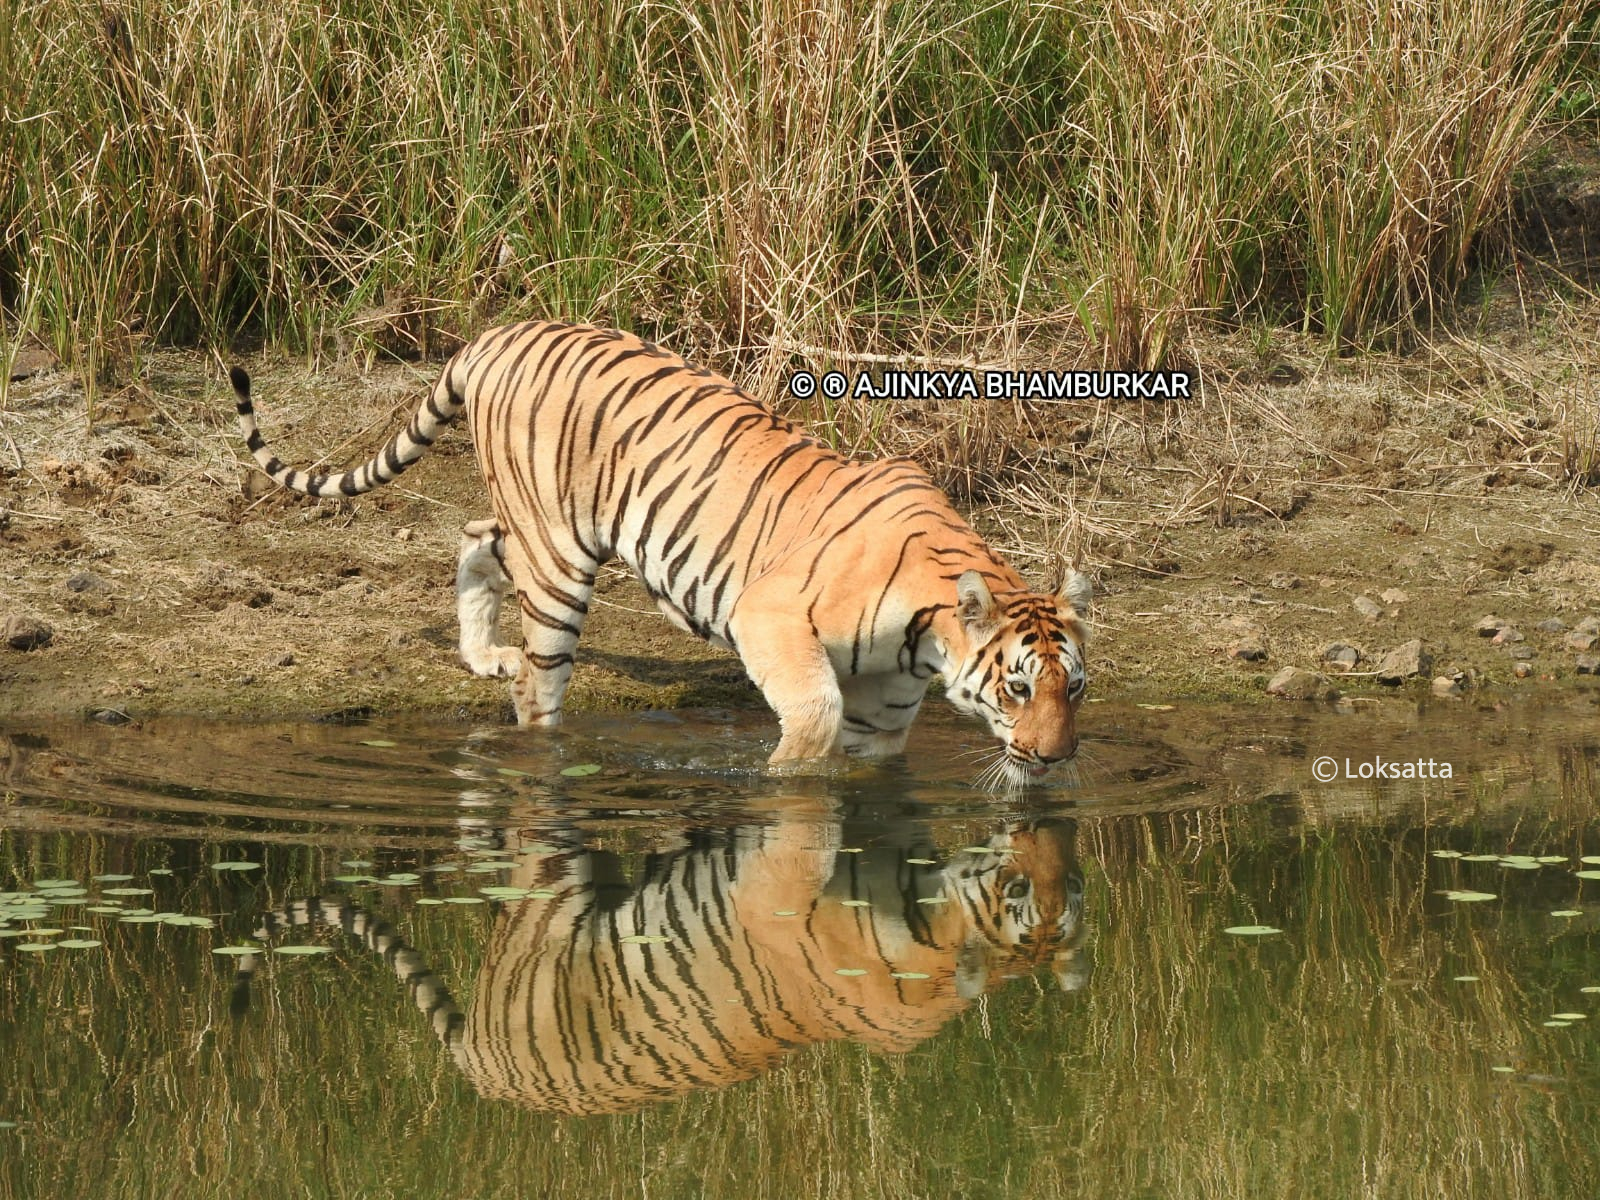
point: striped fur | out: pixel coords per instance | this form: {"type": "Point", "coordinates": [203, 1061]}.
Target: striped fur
{"type": "Point", "coordinates": [568, 1015]}
{"type": "Point", "coordinates": [844, 586]}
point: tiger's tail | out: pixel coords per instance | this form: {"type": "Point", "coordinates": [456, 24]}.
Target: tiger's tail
{"type": "Point", "coordinates": [433, 416]}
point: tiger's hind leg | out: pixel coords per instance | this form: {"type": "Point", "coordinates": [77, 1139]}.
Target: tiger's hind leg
{"type": "Point", "coordinates": [481, 587]}
{"type": "Point", "coordinates": [553, 597]}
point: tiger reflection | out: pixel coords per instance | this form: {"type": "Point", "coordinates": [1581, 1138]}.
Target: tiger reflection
{"type": "Point", "coordinates": [732, 949]}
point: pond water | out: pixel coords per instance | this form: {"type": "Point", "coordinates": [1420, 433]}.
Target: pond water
{"type": "Point", "coordinates": [394, 959]}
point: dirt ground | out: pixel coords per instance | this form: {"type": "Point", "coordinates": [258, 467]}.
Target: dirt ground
{"type": "Point", "coordinates": [1229, 537]}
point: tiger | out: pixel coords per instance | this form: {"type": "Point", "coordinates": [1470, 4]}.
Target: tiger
{"type": "Point", "coordinates": [728, 952]}
{"type": "Point", "coordinates": [844, 586]}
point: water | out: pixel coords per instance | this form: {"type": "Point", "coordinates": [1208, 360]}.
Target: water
{"type": "Point", "coordinates": [691, 978]}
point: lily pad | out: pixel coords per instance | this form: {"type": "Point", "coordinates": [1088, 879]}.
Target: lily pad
{"type": "Point", "coordinates": [1252, 930]}
{"type": "Point", "coordinates": [1465, 978]}
{"type": "Point", "coordinates": [463, 900]}
{"type": "Point", "coordinates": [582, 769]}
{"type": "Point", "coordinates": [300, 951]}
{"type": "Point", "coordinates": [79, 943]}
{"type": "Point", "coordinates": [34, 947]}
{"type": "Point", "coordinates": [236, 866]}
{"type": "Point", "coordinates": [236, 951]}
{"type": "Point", "coordinates": [850, 971]}
{"type": "Point", "coordinates": [856, 903]}
{"type": "Point", "coordinates": [357, 864]}
{"type": "Point", "coordinates": [1553, 1016]}
{"type": "Point", "coordinates": [380, 743]}
{"type": "Point", "coordinates": [1446, 853]}
{"type": "Point", "coordinates": [159, 871]}
{"type": "Point", "coordinates": [1587, 874]}
{"type": "Point", "coordinates": [1566, 912]}
{"type": "Point", "coordinates": [909, 975]}
{"type": "Point", "coordinates": [112, 878]}
{"type": "Point", "coordinates": [429, 900]}
{"type": "Point", "coordinates": [1467, 897]}
{"type": "Point", "coordinates": [923, 862]}
{"type": "Point", "coordinates": [128, 891]}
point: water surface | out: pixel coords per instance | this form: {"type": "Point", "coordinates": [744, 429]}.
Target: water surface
{"type": "Point", "coordinates": [624, 960]}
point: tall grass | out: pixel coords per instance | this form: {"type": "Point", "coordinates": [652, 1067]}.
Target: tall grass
{"type": "Point", "coordinates": [882, 175]}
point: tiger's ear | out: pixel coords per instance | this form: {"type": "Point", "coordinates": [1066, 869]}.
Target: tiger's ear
{"type": "Point", "coordinates": [1077, 591]}
{"type": "Point", "coordinates": [975, 606]}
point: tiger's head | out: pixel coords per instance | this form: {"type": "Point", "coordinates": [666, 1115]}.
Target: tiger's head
{"type": "Point", "coordinates": [1019, 664]}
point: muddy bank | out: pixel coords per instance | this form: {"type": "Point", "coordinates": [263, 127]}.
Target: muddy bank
{"type": "Point", "coordinates": [170, 577]}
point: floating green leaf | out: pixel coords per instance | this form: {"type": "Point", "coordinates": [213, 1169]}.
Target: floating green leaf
{"type": "Point", "coordinates": [1447, 854]}
{"type": "Point", "coordinates": [1547, 1024]}
{"type": "Point", "coordinates": [784, 912]}
{"type": "Point", "coordinates": [79, 943]}
{"type": "Point", "coordinates": [909, 975]}
{"type": "Point", "coordinates": [933, 900]}
{"type": "Point", "coordinates": [56, 883]}
{"type": "Point", "coordinates": [236, 951]}
{"type": "Point", "coordinates": [357, 864]}
{"type": "Point", "coordinates": [856, 903]}
{"type": "Point", "coordinates": [923, 862]}
{"type": "Point", "coordinates": [1465, 978]}
{"type": "Point", "coordinates": [1480, 858]}
{"type": "Point", "coordinates": [236, 866]}
{"type": "Point", "coordinates": [850, 971]}
{"type": "Point", "coordinates": [429, 900]}
{"type": "Point", "coordinates": [1503, 1070]}
{"type": "Point", "coordinates": [581, 770]}
{"type": "Point", "coordinates": [849, 849]}
{"type": "Point", "coordinates": [112, 878]}
{"type": "Point", "coordinates": [34, 947]}
{"type": "Point", "coordinates": [1566, 912]}
{"type": "Point", "coordinates": [46, 932]}
{"type": "Point", "coordinates": [380, 743]}
{"type": "Point", "coordinates": [1587, 874]}
{"type": "Point", "coordinates": [1466, 897]}
{"type": "Point", "coordinates": [300, 951]}
{"type": "Point", "coordinates": [128, 891]}
{"type": "Point", "coordinates": [1554, 1016]}
{"type": "Point", "coordinates": [511, 772]}
{"type": "Point", "coordinates": [1251, 930]}
{"type": "Point", "coordinates": [181, 919]}
{"type": "Point", "coordinates": [159, 871]}
{"type": "Point", "coordinates": [463, 900]}
{"type": "Point", "coordinates": [354, 879]}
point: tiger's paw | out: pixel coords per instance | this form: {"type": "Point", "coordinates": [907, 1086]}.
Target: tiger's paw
{"type": "Point", "coordinates": [493, 662]}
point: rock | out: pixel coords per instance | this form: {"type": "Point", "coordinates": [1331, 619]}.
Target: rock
{"type": "Point", "coordinates": [1368, 607]}
{"type": "Point", "coordinates": [1507, 635]}
{"type": "Point", "coordinates": [1283, 580]}
{"type": "Point", "coordinates": [1522, 670]}
{"type": "Point", "coordinates": [1443, 685]}
{"type": "Point", "coordinates": [89, 593]}
{"type": "Point", "coordinates": [1248, 649]}
{"type": "Point", "coordinates": [1403, 662]}
{"type": "Point", "coordinates": [1588, 664]}
{"type": "Point", "coordinates": [1489, 626]}
{"type": "Point", "coordinates": [1577, 640]}
{"type": "Point", "coordinates": [286, 659]}
{"type": "Point", "coordinates": [1393, 596]}
{"type": "Point", "coordinates": [1552, 625]}
{"type": "Point", "coordinates": [1293, 683]}
{"type": "Point", "coordinates": [1341, 654]}
{"type": "Point", "coordinates": [86, 581]}
{"type": "Point", "coordinates": [26, 633]}
{"type": "Point", "coordinates": [1589, 625]}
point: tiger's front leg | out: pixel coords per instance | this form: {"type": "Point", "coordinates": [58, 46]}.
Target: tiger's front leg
{"type": "Point", "coordinates": [790, 666]}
